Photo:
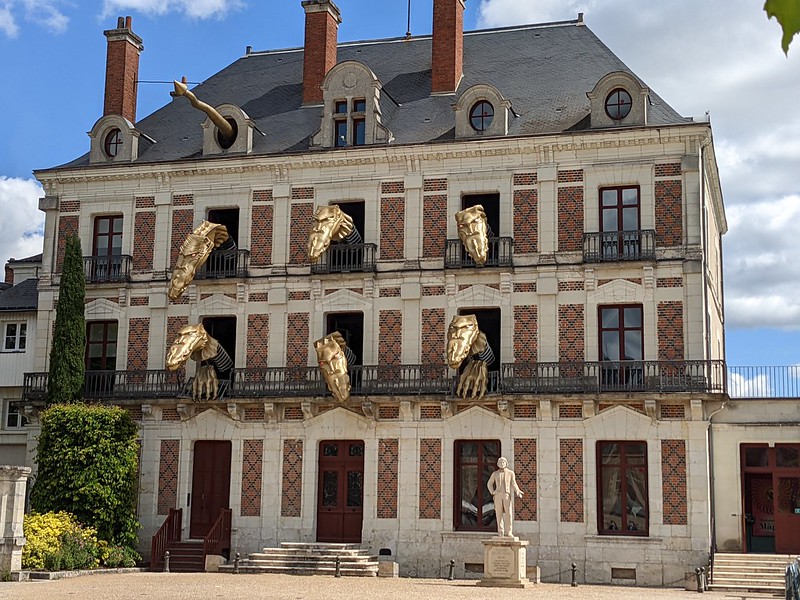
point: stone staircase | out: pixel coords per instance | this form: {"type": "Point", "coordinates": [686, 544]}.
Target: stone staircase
{"type": "Point", "coordinates": [186, 557]}
{"type": "Point", "coordinates": [299, 558]}
{"type": "Point", "coordinates": [750, 572]}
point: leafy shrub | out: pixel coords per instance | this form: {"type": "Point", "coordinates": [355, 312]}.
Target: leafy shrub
{"type": "Point", "coordinates": [113, 556]}
{"type": "Point", "coordinates": [56, 541]}
{"type": "Point", "coordinates": [88, 466]}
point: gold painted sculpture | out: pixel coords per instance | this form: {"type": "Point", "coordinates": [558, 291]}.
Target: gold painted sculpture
{"type": "Point", "coordinates": [331, 224]}
{"type": "Point", "coordinates": [194, 342]}
{"type": "Point", "coordinates": [333, 365]}
{"type": "Point", "coordinates": [464, 340]}
{"type": "Point", "coordinates": [226, 130]}
{"type": "Point", "coordinates": [473, 231]}
{"type": "Point", "coordinates": [194, 252]}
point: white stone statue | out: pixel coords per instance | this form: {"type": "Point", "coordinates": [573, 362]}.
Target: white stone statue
{"type": "Point", "coordinates": [503, 487]}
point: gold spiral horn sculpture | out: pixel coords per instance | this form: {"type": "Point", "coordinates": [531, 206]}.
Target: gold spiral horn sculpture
{"type": "Point", "coordinates": [225, 128]}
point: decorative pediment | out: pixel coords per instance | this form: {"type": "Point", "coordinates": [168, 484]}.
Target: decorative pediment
{"type": "Point", "coordinates": [114, 139]}
{"type": "Point", "coordinates": [476, 422]}
{"type": "Point", "coordinates": [102, 309]}
{"type": "Point", "coordinates": [619, 291]}
{"type": "Point", "coordinates": [218, 303]}
{"type": "Point", "coordinates": [344, 299]}
{"type": "Point", "coordinates": [620, 423]}
{"type": "Point", "coordinates": [211, 423]}
{"type": "Point", "coordinates": [338, 419]}
{"type": "Point", "coordinates": [478, 295]}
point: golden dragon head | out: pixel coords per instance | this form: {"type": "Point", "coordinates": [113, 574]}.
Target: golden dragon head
{"type": "Point", "coordinates": [331, 224]}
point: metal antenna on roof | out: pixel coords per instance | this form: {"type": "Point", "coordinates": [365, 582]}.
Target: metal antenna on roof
{"type": "Point", "coordinates": [408, 29]}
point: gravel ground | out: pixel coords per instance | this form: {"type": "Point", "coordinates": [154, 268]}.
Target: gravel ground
{"type": "Point", "coordinates": [207, 586]}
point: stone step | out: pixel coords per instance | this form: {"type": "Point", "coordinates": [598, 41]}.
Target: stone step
{"type": "Point", "coordinates": [261, 556]}
{"type": "Point", "coordinates": [299, 570]}
{"type": "Point", "coordinates": [313, 546]}
{"type": "Point", "coordinates": [750, 588]}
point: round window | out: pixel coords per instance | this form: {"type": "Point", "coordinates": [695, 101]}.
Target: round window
{"type": "Point", "coordinates": [618, 104]}
{"type": "Point", "coordinates": [481, 115]}
{"type": "Point", "coordinates": [113, 142]}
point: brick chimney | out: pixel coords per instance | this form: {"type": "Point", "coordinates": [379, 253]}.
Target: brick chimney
{"type": "Point", "coordinates": [122, 70]}
{"type": "Point", "coordinates": [448, 45]}
{"type": "Point", "coordinates": [319, 57]}
{"type": "Point", "coordinates": [9, 272]}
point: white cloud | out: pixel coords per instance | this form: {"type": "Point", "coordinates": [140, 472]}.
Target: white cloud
{"type": "Point", "coordinates": [739, 386]}
{"type": "Point", "coordinates": [21, 228]}
{"type": "Point", "coordinates": [8, 24]}
{"type": "Point", "coordinates": [196, 9]}
{"type": "Point", "coordinates": [47, 14]}
{"type": "Point", "coordinates": [495, 13]}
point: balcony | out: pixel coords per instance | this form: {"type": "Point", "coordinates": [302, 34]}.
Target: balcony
{"type": "Point", "coordinates": [619, 246]}
{"type": "Point", "coordinates": [346, 258]}
{"type": "Point", "coordinates": [417, 380]}
{"type": "Point", "coordinates": [764, 382]}
{"type": "Point", "coordinates": [500, 254]}
{"type": "Point", "coordinates": [107, 269]}
{"type": "Point", "coordinates": [222, 264]}
{"type": "Point", "coordinates": [614, 376]}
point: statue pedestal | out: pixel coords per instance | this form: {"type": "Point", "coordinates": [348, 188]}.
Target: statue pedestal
{"type": "Point", "coordinates": [505, 563]}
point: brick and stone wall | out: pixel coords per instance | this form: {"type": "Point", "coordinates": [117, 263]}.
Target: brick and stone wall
{"type": "Point", "coordinates": [432, 336]}
{"type": "Point", "coordinates": [138, 343]}
{"type": "Point", "coordinates": [673, 484]}
{"type": "Point", "coordinates": [390, 346]}
{"type": "Point", "coordinates": [182, 226]}
{"type": "Point", "coordinates": [526, 333]}
{"type": "Point", "coordinates": [302, 215]}
{"type": "Point", "coordinates": [297, 340]}
{"type": "Point", "coordinates": [67, 225]}
{"type": "Point", "coordinates": [525, 470]}
{"type": "Point", "coordinates": [257, 341]}
{"type": "Point", "coordinates": [430, 478]}
{"type": "Point", "coordinates": [669, 204]}
{"type": "Point", "coordinates": [670, 330]}
{"type": "Point", "coordinates": [526, 213]}
{"type": "Point", "coordinates": [292, 478]}
{"type": "Point", "coordinates": [252, 466]}
{"type": "Point", "coordinates": [144, 239]}
{"type": "Point", "coordinates": [571, 472]}
{"type": "Point", "coordinates": [434, 217]}
{"type": "Point", "coordinates": [388, 459]}
{"type": "Point", "coordinates": [393, 216]}
{"type": "Point", "coordinates": [571, 333]}
{"type": "Point", "coordinates": [261, 234]}
{"type": "Point", "coordinates": [168, 476]}
{"type": "Point", "coordinates": [570, 211]}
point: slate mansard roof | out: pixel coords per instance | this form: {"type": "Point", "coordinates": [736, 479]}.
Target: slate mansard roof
{"type": "Point", "coordinates": [544, 70]}
{"type": "Point", "coordinates": [22, 296]}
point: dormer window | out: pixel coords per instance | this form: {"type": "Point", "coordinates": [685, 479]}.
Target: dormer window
{"type": "Point", "coordinates": [113, 143]}
{"type": "Point", "coordinates": [481, 115]}
{"type": "Point", "coordinates": [349, 126]}
{"type": "Point", "coordinates": [618, 104]}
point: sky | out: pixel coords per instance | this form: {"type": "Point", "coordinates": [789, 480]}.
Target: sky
{"type": "Point", "coordinates": [721, 57]}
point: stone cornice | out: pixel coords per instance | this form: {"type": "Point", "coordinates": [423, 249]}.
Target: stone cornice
{"type": "Point", "coordinates": [544, 150]}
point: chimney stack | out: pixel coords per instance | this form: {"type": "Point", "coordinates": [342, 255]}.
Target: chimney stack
{"type": "Point", "coordinates": [448, 46]}
{"type": "Point", "coordinates": [122, 70]}
{"type": "Point", "coordinates": [9, 272]}
{"type": "Point", "coordinates": [319, 56]}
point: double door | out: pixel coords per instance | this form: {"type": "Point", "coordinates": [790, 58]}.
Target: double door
{"type": "Point", "coordinates": [340, 501]}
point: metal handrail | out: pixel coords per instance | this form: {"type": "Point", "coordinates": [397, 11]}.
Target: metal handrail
{"type": "Point", "coordinates": [107, 268]}
{"type": "Point", "coordinates": [347, 258]}
{"type": "Point", "coordinates": [168, 533]}
{"type": "Point", "coordinates": [500, 254]}
{"type": "Point", "coordinates": [218, 538]}
{"type": "Point", "coordinates": [617, 246]}
{"type": "Point", "coordinates": [222, 264]}
{"type": "Point", "coordinates": [764, 382]}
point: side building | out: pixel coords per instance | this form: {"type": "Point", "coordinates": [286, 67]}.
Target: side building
{"type": "Point", "coordinates": [601, 297]}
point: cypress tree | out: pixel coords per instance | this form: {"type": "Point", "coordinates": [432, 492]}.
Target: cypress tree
{"type": "Point", "coordinates": [67, 367]}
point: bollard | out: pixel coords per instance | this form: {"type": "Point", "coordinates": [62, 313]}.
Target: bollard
{"type": "Point", "coordinates": [338, 567]}
{"type": "Point", "coordinates": [236, 563]}
{"type": "Point", "coordinates": [574, 573]}
{"type": "Point", "coordinates": [703, 578]}
{"type": "Point", "coordinates": [699, 575]}
{"type": "Point", "coordinates": [451, 575]}
{"type": "Point", "coordinates": [166, 561]}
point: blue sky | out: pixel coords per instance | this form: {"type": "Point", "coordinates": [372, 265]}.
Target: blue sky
{"type": "Point", "coordinates": [720, 56]}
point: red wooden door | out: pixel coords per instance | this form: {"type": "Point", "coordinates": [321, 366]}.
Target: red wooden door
{"type": "Point", "coordinates": [211, 485]}
{"type": "Point", "coordinates": [340, 510]}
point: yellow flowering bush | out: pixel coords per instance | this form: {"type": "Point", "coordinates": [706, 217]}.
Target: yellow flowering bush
{"type": "Point", "coordinates": [56, 541]}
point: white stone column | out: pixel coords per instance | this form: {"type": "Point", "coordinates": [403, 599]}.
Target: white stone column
{"type": "Point", "coordinates": [12, 510]}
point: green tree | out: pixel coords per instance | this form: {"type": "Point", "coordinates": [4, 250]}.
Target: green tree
{"type": "Point", "coordinates": [67, 367]}
{"type": "Point", "coordinates": [88, 465]}
{"type": "Point", "coordinates": [787, 13]}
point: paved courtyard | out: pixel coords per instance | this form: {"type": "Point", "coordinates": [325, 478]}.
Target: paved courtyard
{"type": "Point", "coordinates": [207, 586]}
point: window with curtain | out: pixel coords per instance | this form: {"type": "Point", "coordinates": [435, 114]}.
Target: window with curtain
{"type": "Point", "coordinates": [475, 461]}
{"type": "Point", "coordinates": [623, 507]}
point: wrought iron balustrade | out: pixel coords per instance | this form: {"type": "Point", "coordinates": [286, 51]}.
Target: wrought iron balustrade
{"type": "Point", "coordinates": [347, 258]}
{"type": "Point", "coordinates": [34, 386]}
{"type": "Point", "coordinates": [614, 376]}
{"type": "Point", "coordinates": [107, 269]}
{"type": "Point", "coordinates": [764, 382]}
{"type": "Point", "coordinates": [618, 246]}
{"type": "Point", "coordinates": [113, 385]}
{"type": "Point", "coordinates": [500, 254]}
{"type": "Point", "coordinates": [222, 264]}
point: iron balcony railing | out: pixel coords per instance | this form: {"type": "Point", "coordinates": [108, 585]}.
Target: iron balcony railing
{"type": "Point", "coordinates": [614, 376]}
{"type": "Point", "coordinates": [113, 385]}
{"type": "Point", "coordinates": [618, 246]}
{"type": "Point", "coordinates": [107, 269]}
{"type": "Point", "coordinates": [222, 264]}
{"type": "Point", "coordinates": [500, 254]}
{"type": "Point", "coordinates": [430, 379]}
{"type": "Point", "coordinates": [347, 258]}
{"type": "Point", "coordinates": [764, 382]}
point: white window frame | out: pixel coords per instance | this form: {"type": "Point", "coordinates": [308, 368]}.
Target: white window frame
{"type": "Point", "coordinates": [19, 335]}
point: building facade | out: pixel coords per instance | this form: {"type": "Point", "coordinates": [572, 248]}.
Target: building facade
{"type": "Point", "coordinates": [601, 297]}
